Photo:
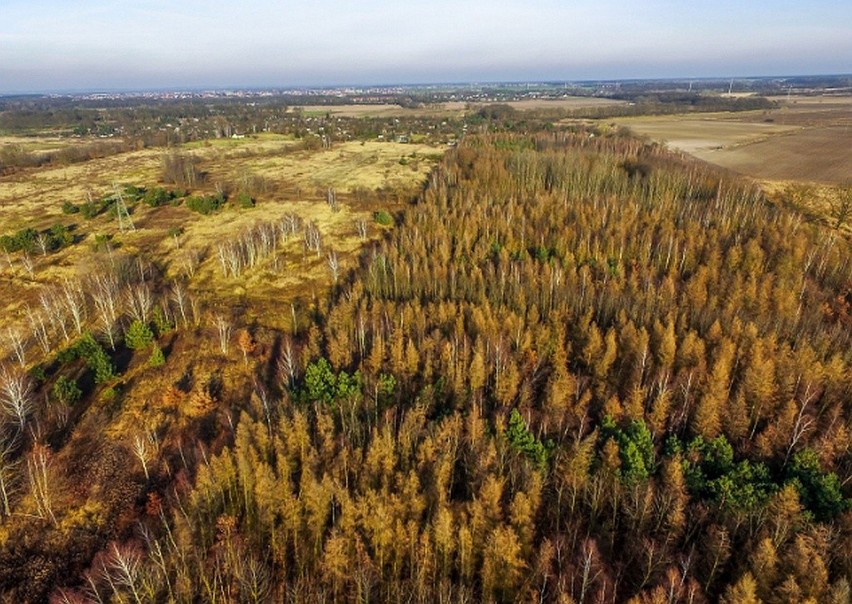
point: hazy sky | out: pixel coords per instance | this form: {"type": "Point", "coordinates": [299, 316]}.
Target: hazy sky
{"type": "Point", "coordinates": [137, 44]}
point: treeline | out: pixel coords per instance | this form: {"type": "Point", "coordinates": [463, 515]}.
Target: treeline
{"type": "Point", "coordinates": [579, 371]}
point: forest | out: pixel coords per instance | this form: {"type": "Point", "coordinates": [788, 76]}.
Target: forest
{"type": "Point", "coordinates": [579, 368]}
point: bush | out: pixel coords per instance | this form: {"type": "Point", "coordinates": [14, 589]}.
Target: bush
{"type": "Point", "coordinates": [102, 241]}
{"type": "Point", "coordinates": [383, 218]}
{"type": "Point", "coordinates": [157, 197]}
{"type": "Point", "coordinates": [66, 391]}
{"type": "Point", "coordinates": [59, 236]}
{"type": "Point", "coordinates": [244, 200]}
{"type": "Point", "coordinates": [70, 208]}
{"type": "Point", "coordinates": [22, 241]}
{"type": "Point", "coordinates": [96, 358]}
{"type": "Point", "coordinates": [206, 204]}
{"type": "Point", "coordinates": [161, 322]}
{"type": "Point", "coordinates": [138, 335]}
{"type": "Point", "coordinates": [157, 358]}
{"type": "Point", "coordinates": [90, 209]}
{"type": "Point", "coordinates": [133, 193]}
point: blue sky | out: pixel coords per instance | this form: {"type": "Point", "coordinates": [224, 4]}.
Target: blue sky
{"type": "Point", "coordinates": [48, 45]}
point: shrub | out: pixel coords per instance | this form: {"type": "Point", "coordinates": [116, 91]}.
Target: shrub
{"type": "Point", "coordinates": [70, 208]}
{"type": "Point", "coordinates": [244, 200]}
{"type": "Point", "coordinates": [383, 218]}
{"type": "Point", "coordinates": [157, 197]}
{"type": "Point", "coordinates": [133, 193]}
{"type": "Point", "coordinates": [96, 358]}
{"type": "Point", "coordinates": [161, 322]}
{"type": "Point", "coordinates": [206, 204]}
{"type": "Point", "coordinates": [102, 241]}
{"type": "Point", "coordinates": [59, 236]}
{"type": "Point", "coordinates": [157, 358]}
{"type": "Point", "coordinates": [138, 335]}
{"type": "Point", "coordinates": [66, 391]}
{"type": "Point", "coordinates": [22, 241]}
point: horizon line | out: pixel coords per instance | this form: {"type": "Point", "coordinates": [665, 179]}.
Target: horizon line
{"type": "Point", "coordinates": [71, 92]}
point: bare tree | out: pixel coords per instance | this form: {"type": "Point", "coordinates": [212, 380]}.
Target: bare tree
{"type": "Point", "coordinates": [7, 472]}
{"type": "Point", "coordinates": [42, 242]}
{"type": "Point", "coordinates": [39, 329]}
{"type": "Point", "coordinates": [139, 302]}
{"type": "Point", "coordinates": [289, 226]}
{"type": "Point", "coordinates": [231, 259]}
{"type": "Point", "coordinates": [195, 306]}
{"type": "Point", "coordinates": [178, 296]}
{"type": "Point", "coordinates": [331, 199]}
{"type": "Point", "coordinates": [333, 266]}
{"type": "Point", "coordinates": [27, 263]}
{"type": "Point", "coordinates": [106, 294]}
{"type": "Point", "coordinates": [223, 326]}
{"type": "Point", "coordinates": [192, 260]}
{"type": "Point", "coordinates": [18, 343]}
{"type": "Point", "coordinates": [313, 238]}
{"type": "Point", "coordinates": [55, 310]}
{"type": "Point", "coordinates": [75, 302]}
{"type": "Point", "coordinates": [142, 450]}
{"type": "Point", "coordinates": [123, 570]}
{"type": "Point", "coordinates": [361, 226]}
{"type": "Point", "coordinates": [288, 365]}
{"type": "Point", "coordinates": [16, 396]}
{"type": "Point", "coordinates": [38, 465]}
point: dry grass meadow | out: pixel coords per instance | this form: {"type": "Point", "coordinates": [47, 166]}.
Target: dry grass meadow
{"type": "Point", "coordinates": [366, 177]}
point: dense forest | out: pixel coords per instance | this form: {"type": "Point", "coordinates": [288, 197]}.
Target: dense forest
{"type": "Point", "coordinates": [580, 369]}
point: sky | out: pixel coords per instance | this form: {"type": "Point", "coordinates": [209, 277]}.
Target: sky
{"type": "Point", "coordinates": [90, 45]}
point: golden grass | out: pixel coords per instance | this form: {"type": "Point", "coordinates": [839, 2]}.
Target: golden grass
{"type": "Point", "coordinates": [296, 181]}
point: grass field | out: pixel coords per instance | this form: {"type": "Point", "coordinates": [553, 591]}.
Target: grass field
{"type": "Point", "coordinates": [366, 177]}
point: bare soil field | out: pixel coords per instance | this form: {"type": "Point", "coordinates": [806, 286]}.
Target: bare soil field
{"type": "Point", "coordinates": [697, 135]}
{"type": "Point", "coordinates": [812, 154]}
{"type": "Point", "coordinates": [456, 108]}
{"type": "Point", "coordinates": [805, 138]}
{"type": "Point", "coordinates": [568, 102]}
{"type": "Point", "coordinates": [385, 110]}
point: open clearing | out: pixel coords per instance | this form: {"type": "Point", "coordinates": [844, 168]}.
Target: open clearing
{"type": "Point", "coordinates": [805, 138]}
{"type": "Point", "coordinates": [367, 177]}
